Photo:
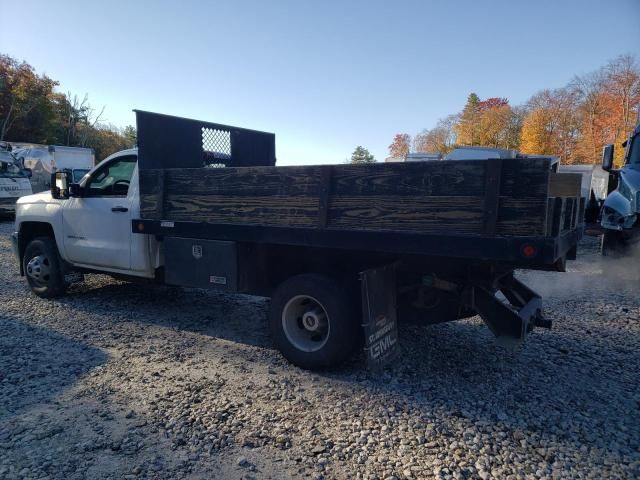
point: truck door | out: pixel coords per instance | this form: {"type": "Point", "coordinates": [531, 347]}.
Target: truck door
{"type": "Point", "coordinates": [97, 225]}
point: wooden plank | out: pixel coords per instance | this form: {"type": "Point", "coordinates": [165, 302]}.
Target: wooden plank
{"type": "Point", "coordinates": [526, 177]}
{"type": "Point", "coordinates": [565, 184]}
{"type": "Point", "coordinates": [493, 175]}
{"type": "Point", "coordinates": [417, 214]}
{"type": "Point", "coordinates": [248, 181]}
{"type": "Point", "coordinates": [437, 178]}
{"type": "Point", "coordinates": [268, 210]}
{"type": "Point", "coordinates": [323, 197]}
{"type": "Point", "coordinates": [521, 216]}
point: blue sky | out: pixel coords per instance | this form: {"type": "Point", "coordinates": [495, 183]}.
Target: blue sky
{"type": "Point", "coordinates": [325, 76]}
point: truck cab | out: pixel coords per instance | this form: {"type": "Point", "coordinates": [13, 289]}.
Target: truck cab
{"type": "Point", "coordinates": [89, 223]}
{"type": "Point", "coordinates": [620, 217]}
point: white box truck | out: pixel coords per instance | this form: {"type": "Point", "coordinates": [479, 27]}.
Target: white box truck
{"type": "Point", "coordinates": [44, 160]}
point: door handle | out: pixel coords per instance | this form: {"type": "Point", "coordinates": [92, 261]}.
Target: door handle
{"type": "Point", "coordinates": [119, 209]}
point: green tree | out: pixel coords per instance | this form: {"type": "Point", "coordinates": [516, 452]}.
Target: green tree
{"type": "Point", "coordinates": [130, 134]}
{"type": "Point", "coordinates": [362, 155]}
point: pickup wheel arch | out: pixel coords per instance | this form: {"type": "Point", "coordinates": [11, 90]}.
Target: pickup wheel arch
{"type": "Point", "coordinates": [28, 231]}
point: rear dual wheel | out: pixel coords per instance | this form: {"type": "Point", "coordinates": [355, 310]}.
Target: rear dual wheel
{"type": "Point", "coordinates": [313, 321]}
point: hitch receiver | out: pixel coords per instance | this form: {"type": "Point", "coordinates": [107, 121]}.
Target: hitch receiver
{"type": "Point", "coordinates": [512, 320]}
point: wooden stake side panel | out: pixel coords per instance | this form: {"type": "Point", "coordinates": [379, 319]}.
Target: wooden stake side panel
{"type": "Point", "coordinates": [421, 197]}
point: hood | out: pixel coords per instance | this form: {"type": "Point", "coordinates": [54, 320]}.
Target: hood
{"type": "Point", "coordinates": [629, 186]}
{"type": "Point", "coordinates": [42, 197]}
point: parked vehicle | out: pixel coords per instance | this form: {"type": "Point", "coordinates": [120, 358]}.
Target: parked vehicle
{"type": "Point", "coordinates": [336, 247]}
{"type": "Point", "coordinates": [620, 217]}
{"type": "Point", "coordinates": [14, 181]}
{"type": "Point", "coordinates": [45, 160]}
{"type": "Point", "coordinates": [594, 187]}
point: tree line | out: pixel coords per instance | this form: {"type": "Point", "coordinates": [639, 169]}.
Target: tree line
{"type": "Point", "coordinates": [33, 111]}
{"type": "Point", "coordinates": [574, 121]}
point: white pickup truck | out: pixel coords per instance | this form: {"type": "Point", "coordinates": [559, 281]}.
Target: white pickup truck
{"type": "Point", "coordinates": [92, 233]}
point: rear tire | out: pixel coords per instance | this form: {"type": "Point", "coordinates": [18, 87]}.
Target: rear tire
{"type": "Point", "coordinates": [41, 264]}
{"type": "Point", "coordinates": [612, 244]}
{"type": "Point", "coordinates": [313, 322]}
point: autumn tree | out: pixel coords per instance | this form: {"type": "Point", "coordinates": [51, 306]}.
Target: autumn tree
{"type": "Point", "coordinates": [400, 146]}
{"type": "Point", "coordinates": [24, 99]}
{"type": "Point", "coordinates": [362, 155]}
{"type": "Point", "coordinates": [493, 122]}
{"type": "Point", "coordinates": [551, 127]}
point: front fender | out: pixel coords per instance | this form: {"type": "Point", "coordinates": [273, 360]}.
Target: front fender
{"type": "Point", "coordinates": [617, 212]}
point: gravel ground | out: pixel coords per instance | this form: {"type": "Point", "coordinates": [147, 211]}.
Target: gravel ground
{"type": "Point", "coordinates": [122, 381]}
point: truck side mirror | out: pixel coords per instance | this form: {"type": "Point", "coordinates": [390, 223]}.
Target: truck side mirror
{"type": "Point", "coordinates": [607, 158]}
{"type": "Point", "coordinates": [60, 182]}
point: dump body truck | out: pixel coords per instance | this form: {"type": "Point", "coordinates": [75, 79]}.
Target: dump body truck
{"type": "Point", "coordinates": [342, 250]}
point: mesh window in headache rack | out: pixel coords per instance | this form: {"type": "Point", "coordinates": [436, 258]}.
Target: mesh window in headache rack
{"type": "Point", "coordinates": [216, 147]}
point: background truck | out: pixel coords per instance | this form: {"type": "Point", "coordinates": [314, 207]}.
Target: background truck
{"type": "Point", "coordinates": [340, 249]}
{"type": "Point", "coordinates": [14, 180]}
{"type": "Point", "coordinates": [620, 218]}
{"type": "Point", "coordinates": [44, 160]}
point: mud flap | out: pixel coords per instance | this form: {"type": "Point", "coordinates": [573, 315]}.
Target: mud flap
{"type": "Point", "coordinates": [378, 287]}
{"type": "Point", "coordinates": [512, 320]}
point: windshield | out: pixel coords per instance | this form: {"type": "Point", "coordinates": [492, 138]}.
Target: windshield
{"type": "Point", "coordinates": [78, 173]}
{"type": "Point", "coordinates": [8, 167]}
{"type": "Point", "coordinates": [634, 150]}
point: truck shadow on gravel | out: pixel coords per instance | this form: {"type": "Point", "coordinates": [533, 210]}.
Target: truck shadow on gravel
{"type": "Point", "coordinates": [38, 364]}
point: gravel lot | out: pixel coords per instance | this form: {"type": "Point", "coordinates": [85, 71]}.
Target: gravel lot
{"type": "Point", "coordinates": [121, 381]}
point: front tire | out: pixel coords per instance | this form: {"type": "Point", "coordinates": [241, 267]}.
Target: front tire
{"type": "Point", "coordinates": [41, 264]}
{"type": "Point", "coordinates": [612, 244]}
{"type": "Point", "coordinates": [313, 322]}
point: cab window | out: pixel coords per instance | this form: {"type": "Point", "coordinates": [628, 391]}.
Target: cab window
{"type": "Point", "coordinates": [112, 179]}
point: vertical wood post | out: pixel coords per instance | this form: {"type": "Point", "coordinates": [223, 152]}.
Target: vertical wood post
{"type": "Point", "coordinates": [324, 192]}
{"type": "Point", "coordinates": [162, 187]}
{"type": "Point", "coordinates": [493, 176]}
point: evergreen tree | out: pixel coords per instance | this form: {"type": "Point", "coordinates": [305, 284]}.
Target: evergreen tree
{"type": "Point", "coordinates": [468, 128]}
{"type": "Point", "coordinates": [362, 155]}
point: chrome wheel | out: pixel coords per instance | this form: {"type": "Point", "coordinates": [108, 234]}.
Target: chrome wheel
{"type": "Point", "coordinates": [38, 270]}
{"type": "Point", "coordinates": [305, 323]}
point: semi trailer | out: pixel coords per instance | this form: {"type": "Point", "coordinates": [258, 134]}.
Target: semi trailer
{"type": "Point", "coordinates": [343, 251]}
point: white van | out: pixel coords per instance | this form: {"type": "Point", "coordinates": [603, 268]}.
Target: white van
{"type": "Point", "coordinates": [14, 183]}
{"type": "Point", "coordinates": [44, 160]}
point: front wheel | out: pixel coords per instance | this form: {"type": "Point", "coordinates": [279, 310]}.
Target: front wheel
{"type": "Point", "coordinates": [313, 322]}
{"type": "Point", "coordinates": [612, 244]}
{"type": "Point", "coordinates": [41, 265]}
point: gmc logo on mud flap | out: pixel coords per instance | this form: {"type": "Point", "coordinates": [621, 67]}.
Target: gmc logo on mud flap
{"type": "Point", "coordinates": [383, 346]}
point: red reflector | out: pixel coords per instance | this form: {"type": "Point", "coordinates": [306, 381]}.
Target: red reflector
{"type": "Point", "coordinates": [140, 227]}
{"type": "Point", "coordinates": [528, 250]}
